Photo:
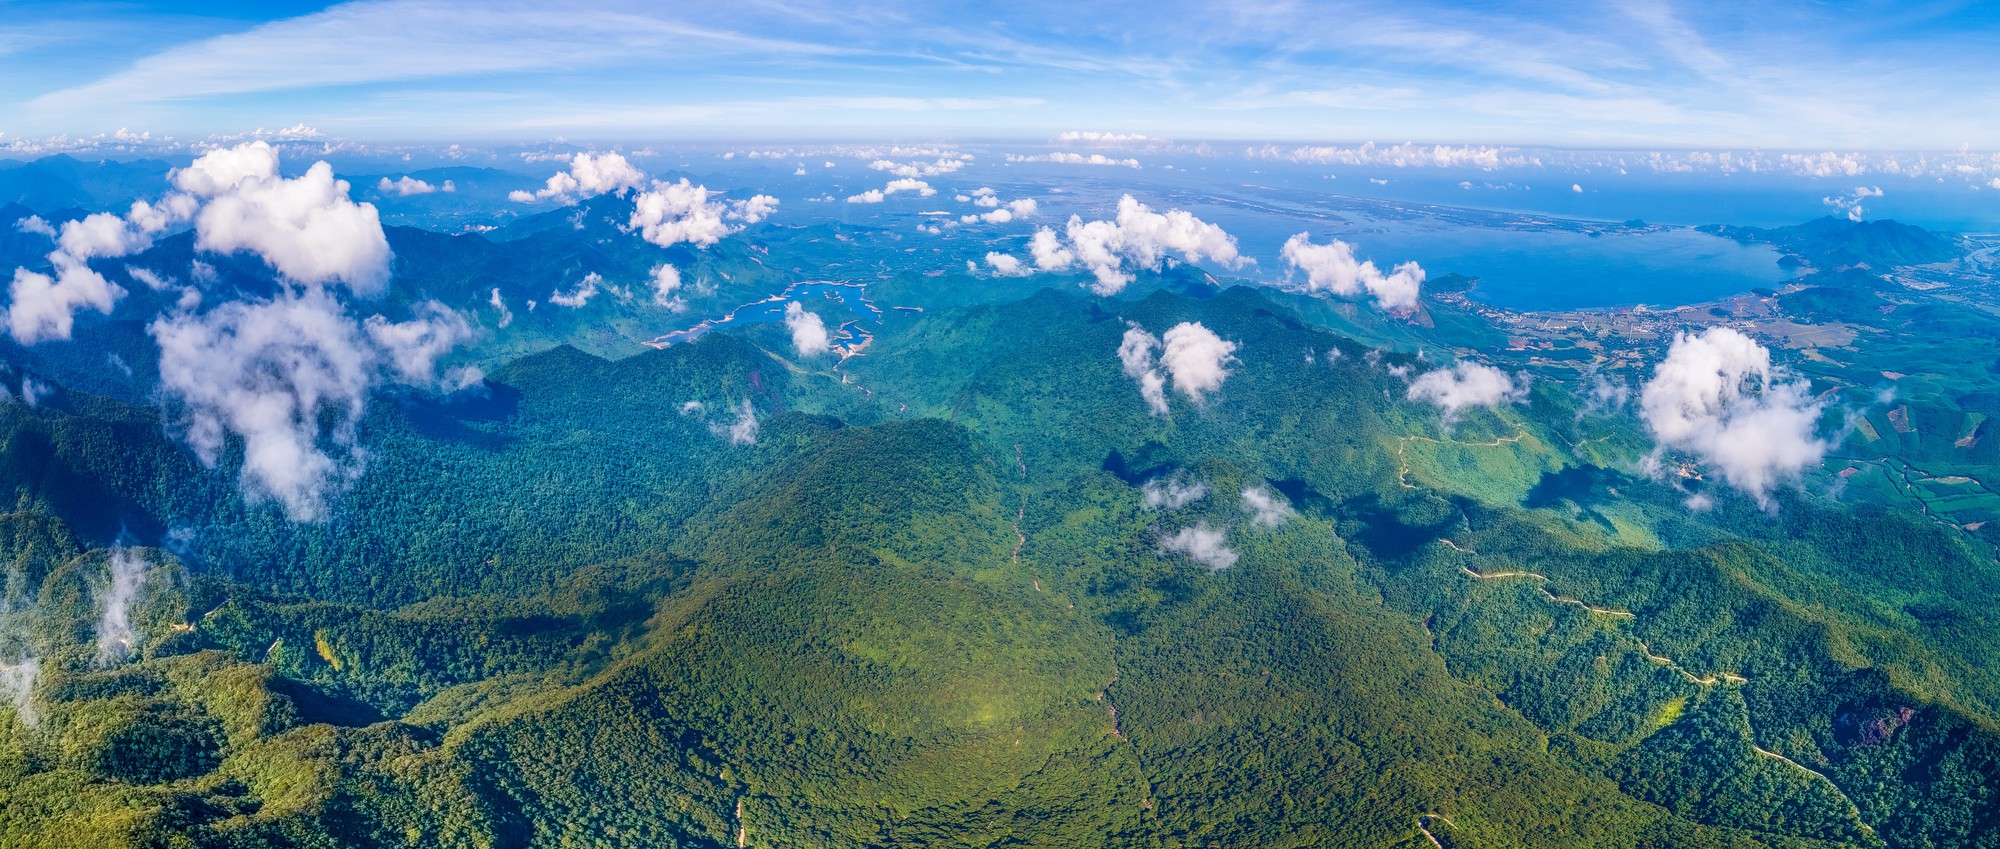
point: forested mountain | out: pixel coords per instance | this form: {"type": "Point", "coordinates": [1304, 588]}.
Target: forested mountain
{"type": "Point", "coordinates": [932, 601]}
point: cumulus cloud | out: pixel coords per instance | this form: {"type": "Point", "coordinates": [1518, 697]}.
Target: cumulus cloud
{"type": "Point", "coordinates": [1465, 385]}
{"type": "Point", "coordinates": [581, 295]}
{"type": "Point", "coordinates": [1196, 358]}
{"type": "Point", "coordinates": [44, 306]}
{"type": "Point", "coordinates": [37, 225]}
{"type": "Point", "coordinates": [666, 287]}
{"type": "Point", "coordinates": [757, 208]}
{"type": "Point", "coordinates": [945, 165]}
{"type": "Point", "coordinates": [589, 175]}
{"type": "Point", "coordinates": [671, 213]}
{"type": "Point", "coordinates": [1172, 494]}
{"type": "Point", "coordinates": [809, 336]}
{"type": "Point", "coordinates": [1138, 236]}
{"type": "Point", "coordinates": [306, 228]}
{"type": "Point", "coordinates": [1332, 268]}
{"type": "Point", "coordinates": [125, 577]}
{"type": "Point", "coordinates": [1005, 265]}
{"type": "Point", "coordinates": [906, 184]}
{"type": "Point", "coordinates": [404, 187]}
{"type": "Point", "coordinates": [1136, 353]}
{"type": "Point", "coordinates": [1265, 507]}
{"type": "Point", "coordinates": [1850, 204]}
{"type": "Point", "coordinates": [1202, 544]}
{"type": "Point", "coordinates": [290, 377]}
{"type": "Point", "coordinates": [1190, 354]}
{"type": "Point", "coordinates": [999, 214]}
{"type": "Point", "coordinates": [1718, 397]}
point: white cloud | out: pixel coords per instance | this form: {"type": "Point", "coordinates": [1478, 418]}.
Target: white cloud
{"type": "Point", "coordinates": [290, 377]}
{"type": "Point", "coordinates": [405, 187]}
{"type": "Point", "coordinates": [757, 208]}
{"type": "Point", "coordinates": [666, 287]}
{"type": "Point", "coordinates": [1193, 356]}
{"type": "Point", "coordinates": [1172, 494]}
{"type": "Point", "coordinates": [1718, 396]}
{"type": "Point", "coordinates": [1196, 358]}
{"type": "Point", "coordinates": [1202, 544]}
{"type": "Point", "coordinates": [906, 184]}
{"type": "Point", "coordinates": [270, 373]}
{"type": "Point", "coordinates": [589, 175]}
{"type": "Point", "coordinates": [412, 348]}
{"type": "Point", "coordinates": [45, 307]}
{"type": "Point", "coordinates": [939, 167]}
{"type": "Point", "coordinates": [1333, 268]}
{"type": "Point", "coordinates": [1576, 187]}
{"type": "Point", "coordinates": [35, 224]}
{"type": "Point", "coordinates": [151, 279]}
{"type": "Point", "coordinates": [17, 683]}
{"type": "Point", "coordinates": [1850, 204]}
{"type": "Point", "coordinates": [306, 228]}
{"type": "Point", "coordinates": [1075, 159]}
{"type": "Point", "coordinates": [1465, 385]}
{"type": "Point", "coordinates": [33, 391]}
{"type": "Point", "coordinates": [1138, 236]}
{"type": "Point", "coordinates": [742, 430]}
{"type": "Point", "coordinates": [585, 290]}
{"type": "Point", "coordinates": [1398, 156]}
{"type": "Point", "coordinates": [126, 576]}
{"type": "Point", "coordinates": [671, 213]}
{"type": "Point", "coordinates": [809, 336]}
{"type": "Point", "coordinates": [500, 304]}
{"type": "Point", "coordinates": [1103, 138]}
{"type": "Point", "coordinates": [1004, 265]}
{"type": "Point", "coordinates": [999, 214]}
{"type": "Point", "coordinates": [1135, 353]}
{"type": "Point", "coordinates": [1826, 164]}
{"type": "Point", "coordinates": [1265, 507]}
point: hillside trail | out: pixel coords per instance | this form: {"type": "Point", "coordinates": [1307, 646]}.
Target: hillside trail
{"type": "Point", "coordinates": [1646, 651]}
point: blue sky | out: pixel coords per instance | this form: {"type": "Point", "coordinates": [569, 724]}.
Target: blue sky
{"type": "Point", "coordinates": [1786, 74]}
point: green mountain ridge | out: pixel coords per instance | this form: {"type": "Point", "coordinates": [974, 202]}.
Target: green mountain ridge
{"type": "Point", "coordinates": [930, 606]}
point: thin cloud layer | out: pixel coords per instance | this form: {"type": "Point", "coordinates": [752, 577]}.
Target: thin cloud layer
{"type": "Point", "coordinates": [1718, 397]}
{"type": "Point", "coordinates": [1202, 544]}
{"type": "Point", "coordinates": [1172, 494]}
{"type": "Point", "coordinates": [1266, 508]}
{"type": "Point", "coordinates": [125, 576]}
{"type": "Point", "coordinates": [290, 377]}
